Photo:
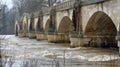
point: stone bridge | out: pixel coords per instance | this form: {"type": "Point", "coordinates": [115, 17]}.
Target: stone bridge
{"type": "Point", "coordinates": [86, 23]}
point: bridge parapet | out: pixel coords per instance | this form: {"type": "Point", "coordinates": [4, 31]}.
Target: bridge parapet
{"type": "Point", "coordinates": [59, 7]}
{"type": "Point", "coordinates": [65, 5]}
{"type": "Point", "coordinates": [88, 2]}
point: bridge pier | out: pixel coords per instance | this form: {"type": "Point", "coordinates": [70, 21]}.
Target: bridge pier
{"type": "Point", "coordinates": [76, 42]}
{"type": "Point", "coordinates": [31, 35]}
{"type": "Point", "coordinates": [93, 42]}
{"type": "Point", "coordinates": [118, 39]}
{"type": "Point", "coordinates": [27, 35]}
{"type": "Point", "coordinates": [79, 42]}
{"type": "Point", "coordinates": [21, 34]}
{"type": "Point", "coordinates": [58, 38]}
{"type": "Point", "coordinates": [41, 36]}
{"type": "Point", "coordinates": [119, 46]}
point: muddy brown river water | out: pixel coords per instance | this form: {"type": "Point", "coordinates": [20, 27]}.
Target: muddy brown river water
{"type": "Point", "coordinates": [24, 52]}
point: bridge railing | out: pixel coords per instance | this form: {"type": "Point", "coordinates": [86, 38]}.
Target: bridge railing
{"type": "Point", "coordinates": [61, 6]}
{"type": "Point", "coordinates": [65, 5]}
{"type": "Point", "coordinates": [88, 2]}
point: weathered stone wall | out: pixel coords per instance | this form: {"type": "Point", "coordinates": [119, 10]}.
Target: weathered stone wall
{"type": "Point", "coordinates": [111, 8]}
{"type": "Point", "coordinates": [35, 23]}
{"type": "Point", "coordinates": [28, 24]}
{"type": "Point", "coordinates": [62, 14]}
{"type": "Point", "coordinates": [25, 25]}
{"type": "Point", "coordinates": [45, 19]}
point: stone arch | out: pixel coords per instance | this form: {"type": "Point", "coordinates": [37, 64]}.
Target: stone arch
{"type": "Point", "coordinates": [101, 30]}
{"type": "Point", "coordinates": [39, 25]}
{"type": "Point", "coordinates": [47, 26]}
{"type": "Point", "coordinates": [25, 24]}
{"type": "Point", "coordinates": [65, 25]}
{"type": "Point", "coordinates": [16, 28]}
{"type": "Point", "coordinates": [64, 29]}
{"type": "Point", "coordinates": [25, 27]}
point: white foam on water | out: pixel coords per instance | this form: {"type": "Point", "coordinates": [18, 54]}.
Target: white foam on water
{"type": "Point", "coordinates": [47, 53]}
{"type": "Point", "coordinates": [51, 55]}
{"type": "Point", "coordinates": [44, 52]}
{"type": "Point", "coordinates": [66, 57]}
{"type": "Point", "coordinates": [102, 58]}
{"type": "Point", "coordinates": [79, 57]}
{"type": "Point", "coordinates": [77, 48]}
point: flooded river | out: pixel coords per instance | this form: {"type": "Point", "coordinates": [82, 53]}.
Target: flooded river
{"type": "Point", "coordinates": [24, 52]}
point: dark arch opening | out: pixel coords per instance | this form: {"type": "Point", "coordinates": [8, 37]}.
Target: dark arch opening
{"type": "Point", "coordinates": [16, 30]}
{"type": "Point", "coordinates": [65, 25]}
{"type": "Point", "coordinates": [26, 26]}
{"type": "Point", "coordinates": [31, 28]}
{"type": "Point", "coordinates": [39, 25]}
{"type": "Point", "coordinates": [101, 30]}
{"type": "Point", "coordinates": [64, 30]}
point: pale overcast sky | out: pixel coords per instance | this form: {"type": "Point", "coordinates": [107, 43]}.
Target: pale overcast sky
{"type": "Point", "coordinates": [8, 2]}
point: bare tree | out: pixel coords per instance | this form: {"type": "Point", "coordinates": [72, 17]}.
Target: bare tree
{"type": "Point", "coordinates": [29, 6]}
